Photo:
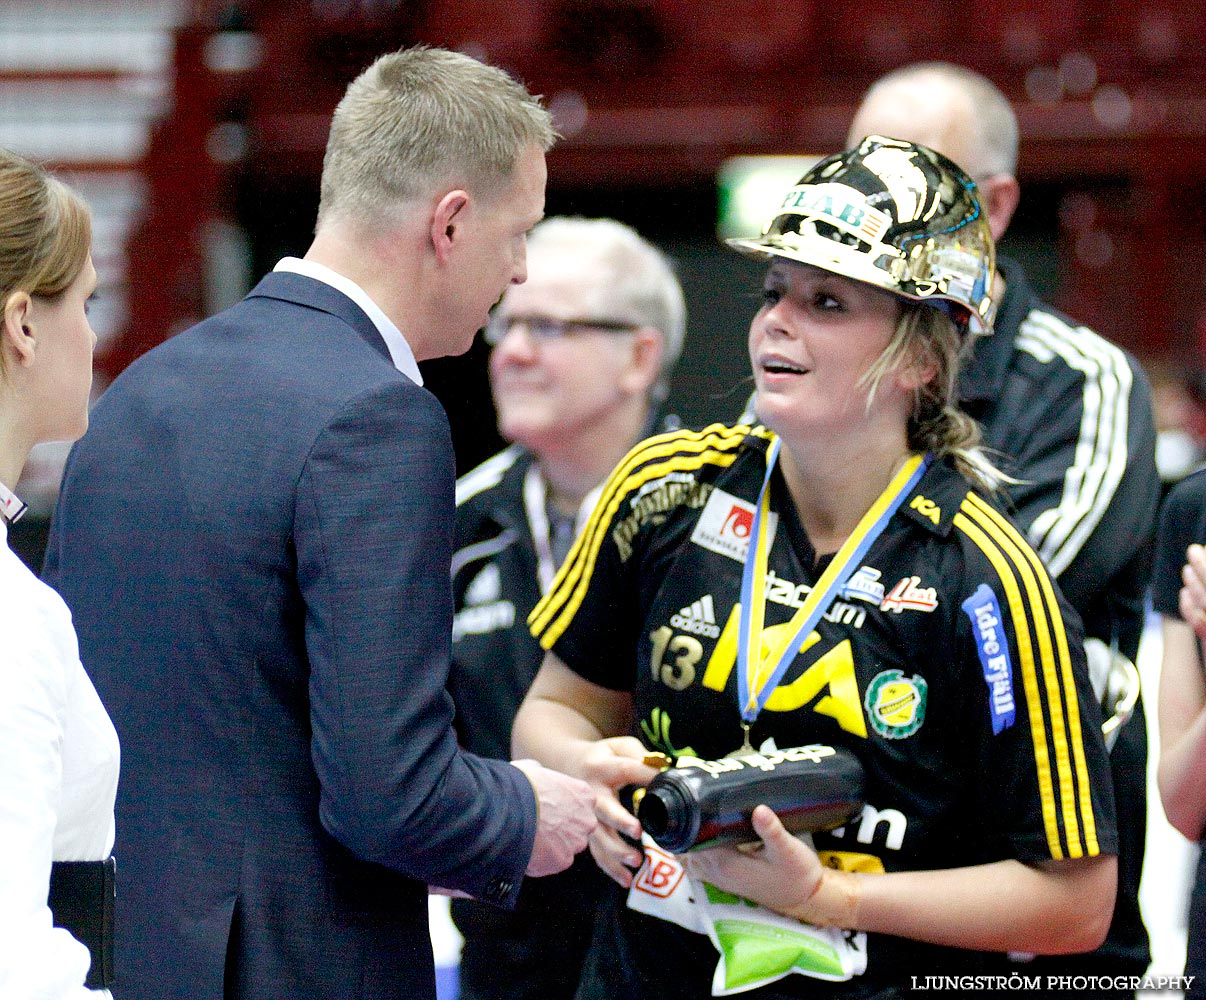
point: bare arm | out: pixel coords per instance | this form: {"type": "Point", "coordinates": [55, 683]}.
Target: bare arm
{"type": "Point", "coordinates": [1055, 907]}
{"type": "Point", "coordinates": [1182, 706]}
{"type": "Point", "coordinates": [564, 715]}
{"type": "Point", "coordinates": [569, 724]}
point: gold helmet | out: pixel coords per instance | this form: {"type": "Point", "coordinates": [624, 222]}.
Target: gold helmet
{"type": "Point", "coordinates": [896, 215]}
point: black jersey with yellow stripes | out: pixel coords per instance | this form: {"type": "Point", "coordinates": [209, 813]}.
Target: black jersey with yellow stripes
{"type": "Point", "coordinates": [949, 662]}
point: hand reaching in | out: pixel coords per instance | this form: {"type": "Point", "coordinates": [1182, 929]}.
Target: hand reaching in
{"type": "Point", "coordinates": [565, 818]}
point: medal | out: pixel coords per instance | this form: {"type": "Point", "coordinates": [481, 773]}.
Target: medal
{"type": "Point", "coordinates": [760, 666]}
{"type": "Point", "coordinates": [745, 748]}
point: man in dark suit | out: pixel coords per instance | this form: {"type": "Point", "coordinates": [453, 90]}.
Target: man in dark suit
{"type": "Point", "coordinates": [255, 541]}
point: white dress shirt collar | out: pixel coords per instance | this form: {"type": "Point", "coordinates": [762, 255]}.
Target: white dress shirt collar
{"type": "Point", "coordinates": [399, 350]}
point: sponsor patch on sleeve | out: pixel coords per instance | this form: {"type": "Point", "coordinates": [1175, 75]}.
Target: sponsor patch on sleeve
{"type": "Point", "coordinates": [992, 644]}
{"type": "Point", "coordinates": [865, 585]}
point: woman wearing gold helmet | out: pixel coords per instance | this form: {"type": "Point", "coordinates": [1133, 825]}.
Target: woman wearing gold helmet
{"type": "Point", "coordinates": [838, 573]}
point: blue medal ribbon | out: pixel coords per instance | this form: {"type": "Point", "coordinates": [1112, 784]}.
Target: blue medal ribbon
{"type": "Point", "coordinates": [760, 670]}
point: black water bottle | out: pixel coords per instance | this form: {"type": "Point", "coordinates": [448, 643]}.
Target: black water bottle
{"type": "Point", "coordinates": [705, 803]}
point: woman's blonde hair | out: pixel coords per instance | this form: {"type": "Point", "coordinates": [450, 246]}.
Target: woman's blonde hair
{"type": "Point", "coordinates": [926, 337]}
{"type": "Point", "coordinates": [45, 231]}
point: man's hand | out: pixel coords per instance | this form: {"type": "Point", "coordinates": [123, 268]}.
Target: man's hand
{"type": "Point", "coordinates": [565, 817]}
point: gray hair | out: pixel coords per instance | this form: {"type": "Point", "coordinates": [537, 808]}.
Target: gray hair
{"type": "Point", "coordinates": [422, 117]}
{"type": "Point", "coordinates": [635, 282]}
{"type": "Point", "coordinates": [990, 115]}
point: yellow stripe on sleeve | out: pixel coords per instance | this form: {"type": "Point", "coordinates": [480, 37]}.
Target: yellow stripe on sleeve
{"type": "Point", "coordinates": [617, 485]}
{"type": "Point", "coordinates": [998, 539]}
{"type": "Point", "coordinates": [678, 451]}
{"type": "Point", "coordinates": [673, 442]}
{"type": "Point", "coordinates": [1038, 730]}
{"type": "Point", "coordinates": [1049, 674]}
{"type": "Point", "coordinates": [1071, 699]}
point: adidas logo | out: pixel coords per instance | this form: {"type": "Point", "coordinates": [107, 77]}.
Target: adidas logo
{"type": "Point", "coordinates": [699, 617]}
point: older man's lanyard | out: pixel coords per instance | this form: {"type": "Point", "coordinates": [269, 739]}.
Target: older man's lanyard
{"type": "Point", "coordinates": [535, 500]}
{"type": "Point", "coordinates": [759, 671]}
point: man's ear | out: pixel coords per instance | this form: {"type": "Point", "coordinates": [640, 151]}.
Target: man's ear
{"type": "Point", "coordinates": [1000, 194]}
{"type": "Point", "coordinates": [17, 332]}
{"type": "Point", "coordinates": [449, 213]}
{"type": "Point", "coordinates": [648, 349]}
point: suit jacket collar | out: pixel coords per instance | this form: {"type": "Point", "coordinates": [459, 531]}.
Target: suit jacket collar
{"type": "Point", "coordinates": [287, 286]}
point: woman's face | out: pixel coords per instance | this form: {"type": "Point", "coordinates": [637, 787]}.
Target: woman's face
{"type": "Point", "coordinates": [814, 338]}
{"type": "Point", "coordinates": [64, 356]}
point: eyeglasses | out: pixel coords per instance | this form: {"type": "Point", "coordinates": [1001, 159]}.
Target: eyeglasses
{"type": "Point", "coordinates": [545, 328]}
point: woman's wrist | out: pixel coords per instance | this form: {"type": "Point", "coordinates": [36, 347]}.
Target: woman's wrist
{"type": "Point", "coordinates": [833, 903]}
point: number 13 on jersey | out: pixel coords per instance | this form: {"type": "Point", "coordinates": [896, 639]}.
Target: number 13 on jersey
{"type": "Point", "coordinates": [674, 659]}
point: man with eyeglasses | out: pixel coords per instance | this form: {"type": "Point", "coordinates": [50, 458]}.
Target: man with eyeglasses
{"type": "Point", "coordinates": [1071, 415]}
{"type": "Point", "coordinates": [582, 352]}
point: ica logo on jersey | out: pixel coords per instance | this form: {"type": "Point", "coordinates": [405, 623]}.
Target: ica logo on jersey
{"type": "Point", "coordinates": [926, 508]}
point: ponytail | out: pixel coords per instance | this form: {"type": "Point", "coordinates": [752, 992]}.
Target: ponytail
{"type": "Point", "coordinates": [927, 337]}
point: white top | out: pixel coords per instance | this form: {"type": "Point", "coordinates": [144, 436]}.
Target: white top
{"type": "Point", "coordinates": [58, 780]}
{"type": "Point", "coordinates": [399, 349]}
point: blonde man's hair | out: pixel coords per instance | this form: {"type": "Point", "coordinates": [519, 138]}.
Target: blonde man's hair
{"type": "Point", "coordinates": [45, 231]}
{"type": "Point", "coordinates": [636, 282]}
{"type": "Point", "coordinates": [420, 118]}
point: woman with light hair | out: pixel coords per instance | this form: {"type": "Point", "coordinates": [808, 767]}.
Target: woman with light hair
{"type": "Point", "coordinates": [60, 751]}
{"type": "Point", "coordinates": [837, 575]}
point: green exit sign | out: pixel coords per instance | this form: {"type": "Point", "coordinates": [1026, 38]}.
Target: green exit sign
{"type": "Point", "coordinates": [751, 189]}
